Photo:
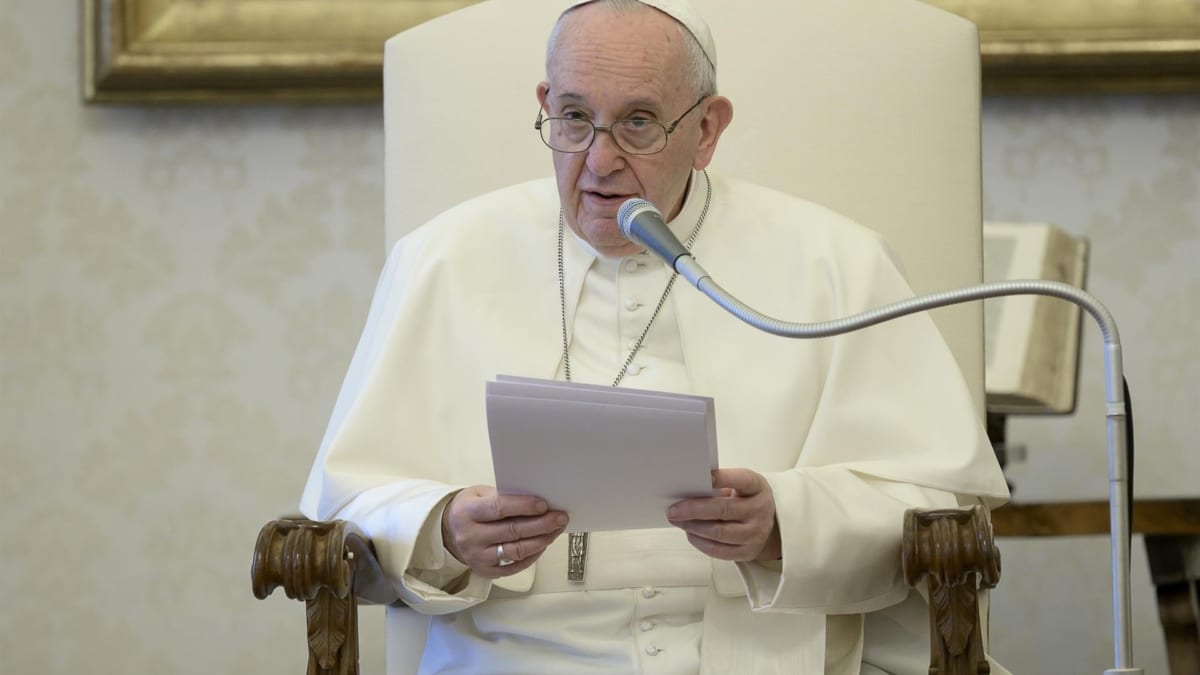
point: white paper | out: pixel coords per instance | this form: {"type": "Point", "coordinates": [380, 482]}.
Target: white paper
{"type": "Point", "coordinates": [612, 458]}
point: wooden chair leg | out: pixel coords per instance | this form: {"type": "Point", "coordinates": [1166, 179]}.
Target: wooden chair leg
{"type": "Point", "coordinates": [314, 562]}
{"type": "Point", "coordinates": [955, 552]}
{"type": "Point", "coordinates": [332, 634]}
{"type": "Point", "coordinates": [1175, 571]}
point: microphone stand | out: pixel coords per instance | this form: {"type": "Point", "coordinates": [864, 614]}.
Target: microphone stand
{"type": "Point", "coordinates": [1118, 461]}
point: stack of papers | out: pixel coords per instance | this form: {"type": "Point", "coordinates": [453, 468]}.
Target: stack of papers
{"type": "Point", "coordinates": [613, 459]}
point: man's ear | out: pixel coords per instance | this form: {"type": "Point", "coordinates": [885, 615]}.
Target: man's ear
{"type": "Point", "coordinates": [718, 113]}
{"type": "Point", "coordinates": [543, 89]}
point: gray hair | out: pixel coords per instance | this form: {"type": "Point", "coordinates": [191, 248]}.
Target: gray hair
{"type": "Point", "coordinates": [698, 71]}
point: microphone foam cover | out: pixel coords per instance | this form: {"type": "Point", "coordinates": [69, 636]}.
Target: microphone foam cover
{"type": "Point", "coordinates": [630, 210]}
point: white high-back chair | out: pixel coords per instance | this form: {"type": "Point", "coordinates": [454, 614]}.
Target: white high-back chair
{"type": "Point", "coordinates": [870, 107]}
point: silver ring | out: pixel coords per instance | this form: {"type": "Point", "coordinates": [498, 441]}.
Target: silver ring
{"type": "Point", "coordinates": [501, 561]}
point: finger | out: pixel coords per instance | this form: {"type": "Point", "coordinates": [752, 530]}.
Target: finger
{"type": "Point", "coordinates": [714, 508]}
{"type": "Point", "coordinates": [465, 537]}
{"type": "Point", "coordinates": [531, 547]}
{"type": "Point", "coordinates": [497, 571]}
{"type": "Point", "coordinates": [516, 529]}
{"type": "Point", "coordinates": [518, 555]}
{"type": "Point", "coordinates": [498, 507]}
{"type": "Point", "coordinates": [719, 550]}
{"type": "Point", "coordinates": [722, 531]}
{"type": "Point", "coordinates": [744, 482]}
{"type": "Point", "coordinates": [478, 540]}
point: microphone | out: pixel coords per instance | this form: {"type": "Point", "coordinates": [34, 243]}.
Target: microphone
{"type": "Point", "coordinates": [642, 223]}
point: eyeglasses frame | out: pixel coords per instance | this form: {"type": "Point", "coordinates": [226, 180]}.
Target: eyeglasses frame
{"type": "Point", "coordinates": [596, 128]}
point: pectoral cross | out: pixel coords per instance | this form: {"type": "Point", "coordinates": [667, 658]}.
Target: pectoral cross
{"type": "Point", "coordinates": [576, 555]}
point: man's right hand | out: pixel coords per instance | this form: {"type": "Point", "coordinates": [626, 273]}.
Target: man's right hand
{"type": "Point", "coordinates": [478, 521]}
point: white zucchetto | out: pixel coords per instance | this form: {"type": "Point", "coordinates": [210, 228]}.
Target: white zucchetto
{"type": "Point", "coordinates": [686, 14]}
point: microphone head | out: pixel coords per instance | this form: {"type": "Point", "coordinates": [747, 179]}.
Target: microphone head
{"type": "Point", "coordinates": [630, 210]}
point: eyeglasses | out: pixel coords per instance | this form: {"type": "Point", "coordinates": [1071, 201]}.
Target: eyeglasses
{"type": "Point", "coordinates": [636, 136]}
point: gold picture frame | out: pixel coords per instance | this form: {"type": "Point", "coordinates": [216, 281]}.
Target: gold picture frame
{"type": "Point", "coordinates": [331, 50]}
{"type": "Point", "coordinates": [242, 50]}
{"type": "Point", "coordinates": [1071, 46]}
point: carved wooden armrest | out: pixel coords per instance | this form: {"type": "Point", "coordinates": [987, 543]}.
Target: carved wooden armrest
{"type": "Point", "coordinates": [953, 549]}
{"type": "Point", "coordinates": [328, 565]}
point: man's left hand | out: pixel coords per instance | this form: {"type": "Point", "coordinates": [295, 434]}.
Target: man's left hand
{"type": "Point", "coordinates": [737, 524]}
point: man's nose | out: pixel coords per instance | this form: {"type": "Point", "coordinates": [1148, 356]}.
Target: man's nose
{"type": "Point", "coordinates": [605, 156]}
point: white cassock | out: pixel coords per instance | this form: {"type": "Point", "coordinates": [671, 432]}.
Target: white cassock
{"type": "Point", "coordinates": [849, 431]}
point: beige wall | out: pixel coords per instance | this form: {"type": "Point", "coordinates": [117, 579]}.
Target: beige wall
{"type": "Point", "coordinates": [1124, 172]}
{"type": "Point", "coordinates": [181, 288]}
{"type": "Point", "coordinates": [180, 292]}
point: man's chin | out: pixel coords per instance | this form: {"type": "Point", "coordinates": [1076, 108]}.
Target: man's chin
{"type": "Point", "coordinates": [607, 239]}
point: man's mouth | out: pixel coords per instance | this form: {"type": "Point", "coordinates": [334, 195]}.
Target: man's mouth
{"type": "Point", "coordinates": [601, 198]}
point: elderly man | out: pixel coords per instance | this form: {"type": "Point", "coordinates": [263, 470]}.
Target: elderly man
{"type": "Point", "coordinates": [793, 565]}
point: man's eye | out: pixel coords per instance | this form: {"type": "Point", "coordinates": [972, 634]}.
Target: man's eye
{"type": "Point", "coordinates": [572, 115]}
{"type": "Point", "coordinates": [639, 122]}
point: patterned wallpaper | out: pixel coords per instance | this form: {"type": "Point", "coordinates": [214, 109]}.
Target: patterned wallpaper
{"type": "Point", "coordinates": [1125, 173]}
{"type": "Point", "coordinates": [180, 292]}
{"type": "Point", "coordinates": [181, 289]}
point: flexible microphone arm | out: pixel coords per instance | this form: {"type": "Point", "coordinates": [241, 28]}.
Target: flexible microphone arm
{"type": "Point", "coordinates": [1118, 461]}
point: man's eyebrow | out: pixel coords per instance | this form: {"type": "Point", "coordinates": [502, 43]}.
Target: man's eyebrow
{"type": "Point", "coordinates": [644, 104]}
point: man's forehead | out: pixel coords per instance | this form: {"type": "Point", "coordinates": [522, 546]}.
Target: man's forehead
{"type": "Point", "coordinates": [685, 14]}
{"type": "Point", "coordinates": [603, 62]}
{"type": "Point", "coordinates": [570, 97]}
